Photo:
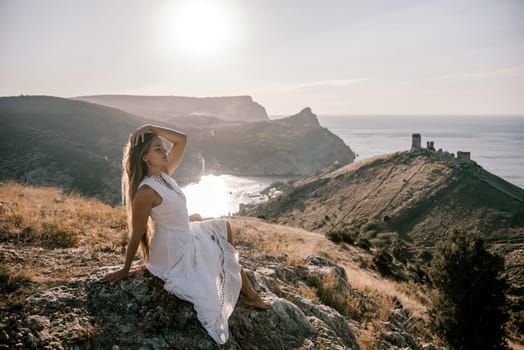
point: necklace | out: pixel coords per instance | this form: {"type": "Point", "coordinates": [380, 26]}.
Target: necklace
{"type": "Point", "coordinates": [160, 179]}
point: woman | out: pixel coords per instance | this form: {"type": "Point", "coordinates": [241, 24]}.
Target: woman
{"type": "Point", "coordinates": [195, 259]}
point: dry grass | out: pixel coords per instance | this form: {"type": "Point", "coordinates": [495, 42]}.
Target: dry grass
{"type": "Point", "coordinates": [335, 293]}
{"type": "Point", "coordinates": [367, 338]}
{"type": "Point", "coordinates": [48, 217]}
{"type": "Point", "coordinates": [381, 295]}
{"type": "Point", "coordinates": [515, 346]}
{"type": "Point", "coordinates": [10, 281]}
{"type": "Point", "coordinates": [275, 240]}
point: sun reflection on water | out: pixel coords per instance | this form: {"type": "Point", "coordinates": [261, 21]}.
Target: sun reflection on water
{"type": "Point", "coordinates": [219, 195]}
{"type": "Point", "coordinates": [209, 197]}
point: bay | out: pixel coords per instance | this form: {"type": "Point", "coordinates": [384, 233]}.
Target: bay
{"type": "Point", "coordinates": [496, 143]}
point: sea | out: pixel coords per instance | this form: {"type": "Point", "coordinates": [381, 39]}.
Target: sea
{"type": "Point", "coordinates": [495, 142]}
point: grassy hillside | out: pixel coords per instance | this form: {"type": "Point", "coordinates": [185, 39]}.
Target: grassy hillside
{"type": "Point", "coordinates": [402, 204]}
{"type": "Point", "coordinates": [417, 195]}
{"type": "Point", "coordinates": [72, 144]}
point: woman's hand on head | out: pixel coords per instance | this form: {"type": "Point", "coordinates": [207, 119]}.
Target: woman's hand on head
{"type": "Point", "coordinates": [139, 133]}
{"type": "Point", "coordinates": [115, 276]}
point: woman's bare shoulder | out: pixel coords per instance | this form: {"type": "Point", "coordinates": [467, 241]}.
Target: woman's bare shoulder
{"type": "Point", "coordinates": [146, 194]}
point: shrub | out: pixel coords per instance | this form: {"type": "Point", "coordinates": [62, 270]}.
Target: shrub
{"type": "Point", "coordinates": [371, 225]}
{"type": "Point", "coordinates": [10, 282]}
{"type": "Point", "coordinates": [399, 250]}
{"type": "Point", "coordinates": [364, 244]}
{"type": "Point", "coordinates": [469, 303]}
{"type": "Point", "coordinates": [338, 236]}
{"type": "Point", "coordinates": [384, 262]}
{"type": "Point", "coordinates": [388, 237]}
{"type": "Point", "coordinates": [425, 256]}
{"type": "Point", "coordinates": [54, 236]}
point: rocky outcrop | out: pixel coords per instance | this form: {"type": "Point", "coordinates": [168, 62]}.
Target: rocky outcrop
{"type": "Point", "coordinates": [139, 313]}
{"type": "Point", "coordinates": [304, 118]}
{"type": "Point", "coordinates": [227, 108]}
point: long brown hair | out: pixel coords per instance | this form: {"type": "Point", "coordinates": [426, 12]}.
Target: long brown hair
{"type": "Point", "coordinates": [134, 171]}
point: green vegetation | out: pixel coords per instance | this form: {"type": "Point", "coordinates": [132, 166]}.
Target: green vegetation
{"type": "Point", "coordinates": [469, 303]}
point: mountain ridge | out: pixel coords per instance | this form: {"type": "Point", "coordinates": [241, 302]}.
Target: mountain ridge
{"type": "Point", "coordinates": [78, 145]}
{"type": "Point", "coordinates": [227, 108]}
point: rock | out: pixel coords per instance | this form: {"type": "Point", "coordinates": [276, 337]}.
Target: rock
{"type": "Point", "coordinates": [138, 312]}
{"type": "Point", "coordinates": [4, 336]}
{"type": "Point", "coordinates": [36, 322]}
{"type": "Point", "coordinates": [396, 338]}
{"type": "Point", "coordinates": [283, 321]}
{"type": "Point", "coordinates": [31, 341]}
{"type": "Point", "coordinates": [267, 272]}
{"type": "Point", "coordinates": [398, 316]}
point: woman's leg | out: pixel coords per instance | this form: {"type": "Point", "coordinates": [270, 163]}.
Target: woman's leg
{"type": "Point", "coordinates": [251, 297]}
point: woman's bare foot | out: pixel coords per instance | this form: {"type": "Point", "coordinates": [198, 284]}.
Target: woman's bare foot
{"type": "Point", "coordinates": [254, 301]}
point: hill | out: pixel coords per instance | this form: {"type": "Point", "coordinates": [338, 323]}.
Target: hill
{"type": "Point", "coordinates": [54, 247]}
{"type": "Point", "coordinates": [296, 145]}
{"type": "Point", "coordinates": [56, 141]}
{"type": "Point", "coordinates": [228, 108]}
{"type": "Point", "coordinates": [406, 202]}
{"type": "Point", "coordinates": [78, 145]}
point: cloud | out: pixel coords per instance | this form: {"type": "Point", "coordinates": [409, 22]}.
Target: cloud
{"type": "Point", "coordinates": [487, 74]}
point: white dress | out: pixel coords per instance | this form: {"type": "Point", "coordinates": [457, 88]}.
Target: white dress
{"type": "Point", "coordinates": [194, 259]}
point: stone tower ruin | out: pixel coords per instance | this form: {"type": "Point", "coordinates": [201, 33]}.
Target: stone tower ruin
{"type": "Point", "coordinates": [415, 142]}
{"type": "Point", "coordinates": [463, 156]}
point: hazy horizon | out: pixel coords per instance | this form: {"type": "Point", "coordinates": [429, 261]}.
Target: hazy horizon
{"type": "Point", "coordinates": [405, 58]}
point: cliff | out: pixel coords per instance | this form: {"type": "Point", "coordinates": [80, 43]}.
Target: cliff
{"type": "Point", "coordinates": [296, 145]}
{"type": "Point", "coordinates": [228, 108]}
{"type": "Point", "coordinates": [54, 247]}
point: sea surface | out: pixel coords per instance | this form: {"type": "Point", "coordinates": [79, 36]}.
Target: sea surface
{"type": "Point", "coordinates": [496, 143]}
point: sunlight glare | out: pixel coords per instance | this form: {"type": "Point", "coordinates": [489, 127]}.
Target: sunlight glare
{"type": "Point", "coordinates": [201, 27]}
{"type": "Point", "coordinates": [209, 197]}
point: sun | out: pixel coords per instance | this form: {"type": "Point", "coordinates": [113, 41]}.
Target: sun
{"type": "Point", "coordinates": [201, 27]}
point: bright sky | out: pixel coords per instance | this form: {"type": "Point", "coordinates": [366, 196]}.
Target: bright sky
{"type": "Point", "coordinates": [338, 57]}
